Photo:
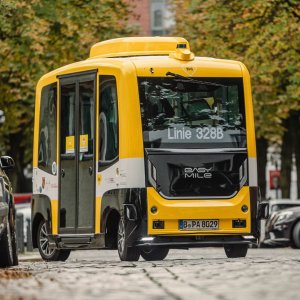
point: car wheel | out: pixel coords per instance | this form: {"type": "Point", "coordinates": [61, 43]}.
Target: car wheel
{"type": "Point", "coordinates": [154, 253]}
{"type": "Point", "coordinates": [125, 252]}
{"type": "Point", "coordinates": [46, 252]}
{"type": "Point", "coordinates": [6, 249]}
{"type": "Point", "coordinates": [296, 236]}
{"type": "Point", "coordinates": [236, 250]}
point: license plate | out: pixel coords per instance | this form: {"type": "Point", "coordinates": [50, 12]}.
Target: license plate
{"type": "Point", "coordinates": [198, 224]}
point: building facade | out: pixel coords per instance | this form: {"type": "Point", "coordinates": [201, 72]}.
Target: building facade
{"type": "Point", "coordinates": [152, 17]}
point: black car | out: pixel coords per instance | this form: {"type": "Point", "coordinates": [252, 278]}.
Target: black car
{"type": "Point", "coordinates": [8, 245]}
{"type": "Point", "coordinates": [283, 228]}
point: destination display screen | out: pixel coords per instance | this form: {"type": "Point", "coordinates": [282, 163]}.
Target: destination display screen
{"type": "Point", "coordinates": [179, 112]}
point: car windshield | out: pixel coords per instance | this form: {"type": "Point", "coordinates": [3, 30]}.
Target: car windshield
{"type": "Point", "coordinates": [180, 112]}
{"type": "Point", "coordinates": [277, 207]}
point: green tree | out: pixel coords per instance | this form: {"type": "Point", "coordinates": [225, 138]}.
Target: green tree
{"type": "Point", "coordinates": [35, 37]}
{"type": "Point", "coordinates": [264, 34]}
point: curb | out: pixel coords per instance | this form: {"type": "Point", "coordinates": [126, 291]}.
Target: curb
{"type": "Point", "coordinates": [24, 257]}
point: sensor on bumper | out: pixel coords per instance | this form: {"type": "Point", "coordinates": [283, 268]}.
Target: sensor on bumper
{"type": "Point", "coordinates": [238, 223]}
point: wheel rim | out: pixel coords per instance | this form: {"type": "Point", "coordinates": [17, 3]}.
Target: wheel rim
{"type": "Point", "coordinates": [44, 241]}
{"type": "Point", "coordinates": [147, 250]}
{"type": "Point", "coordinates": [9, 239]}
{"type": "Point", "coordinates": [121, 237]}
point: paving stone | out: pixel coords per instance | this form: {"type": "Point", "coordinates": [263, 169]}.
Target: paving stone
{"type": "Point", "coordinates": [195, 274]}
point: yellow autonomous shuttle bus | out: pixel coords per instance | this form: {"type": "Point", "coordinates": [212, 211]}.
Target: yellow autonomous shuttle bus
{"type": "Point", "coordinates": [144, 147]}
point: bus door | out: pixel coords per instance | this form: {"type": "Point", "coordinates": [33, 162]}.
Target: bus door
{"type": "Point", "coordinates": [77, 149]}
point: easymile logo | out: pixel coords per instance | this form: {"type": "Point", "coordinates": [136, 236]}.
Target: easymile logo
{"type": "Point", "coordinates": [197, 173]}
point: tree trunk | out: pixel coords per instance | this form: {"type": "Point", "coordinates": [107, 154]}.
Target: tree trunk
{"type": "Point", "coordinates": [296, 138]}
{"type": "Point", "coordinates": [297, 152]}
{"type": "Point", "coordinates": [261, 148]}
{"type": "Point", "coordinates": [286, 158]}
{"type": "Point", "coordinates": [16, 176]}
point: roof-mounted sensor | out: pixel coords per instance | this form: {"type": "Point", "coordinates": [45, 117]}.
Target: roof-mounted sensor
{"type": "Point", "coordinates": [139, 46]}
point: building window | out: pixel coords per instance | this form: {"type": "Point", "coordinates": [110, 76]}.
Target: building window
{"type": "Point", "coordinates": [158, 18]}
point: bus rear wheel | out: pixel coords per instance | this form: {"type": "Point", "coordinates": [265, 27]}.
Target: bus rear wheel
{"type": "Point", "coordinates": [296, 236]}
{"type": "Point", "coordinates": [46, 252]}
{"type": "Point", "coordinates": [125, 252]}
{"type": "Point", "coordinates": [236, 250]}
{"type": "Point", "coordinates": [154, 253]}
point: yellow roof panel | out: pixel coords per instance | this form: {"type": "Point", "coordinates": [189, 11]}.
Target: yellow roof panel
{"type": "Point", "coordinates": [132, 46]}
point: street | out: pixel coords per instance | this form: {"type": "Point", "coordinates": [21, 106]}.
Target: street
{"type": "Point", "coordinates": [194, 274]}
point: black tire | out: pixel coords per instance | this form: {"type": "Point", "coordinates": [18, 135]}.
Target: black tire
{"type": "Point", "coordinates": [154, 253]}
{"type": "Point", "coordinates": [236, 250]}
{"type": "Point", "coordinates": [43, 245]}
{"type": "Point", "coordinates": [14, 240]}
{"type": "Point", "coordinates": [6, 249]}
{"type": "Point", "coordinates": [296, 236]}
{"type": "Point", "coordinates": [125, 252]}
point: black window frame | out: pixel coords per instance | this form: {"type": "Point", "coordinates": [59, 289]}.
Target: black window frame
{"type": "Point", "coordinates": [48, 168]}
{"type": "Point", "coordinates": [104, 164]}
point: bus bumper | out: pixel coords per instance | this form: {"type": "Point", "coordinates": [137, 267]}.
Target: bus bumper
{"type": "Point", "coordinates": [227, 211]}
{"type": "Point", "coordinates": [177, 242]}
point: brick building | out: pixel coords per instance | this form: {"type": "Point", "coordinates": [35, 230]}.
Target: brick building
{"type": "Point", "coordinates": [153, 17]}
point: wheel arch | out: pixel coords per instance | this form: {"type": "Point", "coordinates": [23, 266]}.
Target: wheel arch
{"type": "Point", "coordinates": [111, 228]}
{"type": "Point", "coordinates": [40, 210]}
{"type": "Point", "coordinates": [112, 208]}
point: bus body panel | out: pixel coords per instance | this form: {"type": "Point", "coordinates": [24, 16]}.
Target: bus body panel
{"type": "Point", "coordinates": [224, 210]}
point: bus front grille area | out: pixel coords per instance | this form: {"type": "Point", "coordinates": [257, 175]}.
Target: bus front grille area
{"type": "Point", "coordinates": [197, 175]}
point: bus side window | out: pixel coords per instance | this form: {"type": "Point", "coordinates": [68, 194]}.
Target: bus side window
{"type": "Point", "coordinates": [47, 128]}
{"type": "Point", "coordinates": [108, 120]}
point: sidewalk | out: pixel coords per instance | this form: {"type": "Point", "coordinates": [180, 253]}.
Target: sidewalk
{"type": "Point", "coordinates": [29, 256]}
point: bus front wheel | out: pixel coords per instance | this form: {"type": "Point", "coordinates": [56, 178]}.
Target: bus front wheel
{"type": "Point", "coordinates": [125, 252]}
{"type": "Point", "coordinates": [235, 251]}
{"type": "Point", "coordinates": [46, 252]}
{"type": "Point", "coordinates": [154, 253]}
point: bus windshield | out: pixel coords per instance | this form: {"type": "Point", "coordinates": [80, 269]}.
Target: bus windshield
{"type": "Point", "coordinates": [180, 112]}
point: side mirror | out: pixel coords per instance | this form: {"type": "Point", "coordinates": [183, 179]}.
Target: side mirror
{"type": "Point", "coordinates": [263, 211]}
{"type": "Point", "coordinates": [130, 212]}
{"type": "Point", "coordinates": [6, 162]}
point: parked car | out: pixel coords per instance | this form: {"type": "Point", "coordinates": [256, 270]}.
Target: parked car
{"type": "Point", "coordinates": [8, 243]}
{"type": "Point", "coordinates": [281, 228]}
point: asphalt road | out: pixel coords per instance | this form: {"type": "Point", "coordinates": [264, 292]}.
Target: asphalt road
{"type": "Point", "coordinates": [194, 274]}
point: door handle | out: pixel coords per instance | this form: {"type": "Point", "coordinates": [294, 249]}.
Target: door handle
{"type": "Point", "coordinates": [91, 170]}
{"type": "Point", "coordinates": [63, 173]}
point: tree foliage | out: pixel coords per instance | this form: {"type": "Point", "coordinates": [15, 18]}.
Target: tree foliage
{"type": "Point", "coordinates": [37, 36]}
{"type": "Point", "coordinates": [265, 35]}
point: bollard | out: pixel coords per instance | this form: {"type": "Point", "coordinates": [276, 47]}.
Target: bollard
{"type": "Point", "coordinates": [20, 232]}
{"type": "Point", "coordinates": [29, 246]}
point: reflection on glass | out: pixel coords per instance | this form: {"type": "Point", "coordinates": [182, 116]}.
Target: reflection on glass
{"type": "Point", "coordinates": [47, 135]}
{"type": "Point", "coordinates": [86, 120]}
{"type": "Point", "coordinates": [67, 142]}
{"type": "Point", "coordinates": [178, 112]}
{"type": "Point", "coordinates": [278, 207]}
{"type": "Point", "coordinates": [108, 119]}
